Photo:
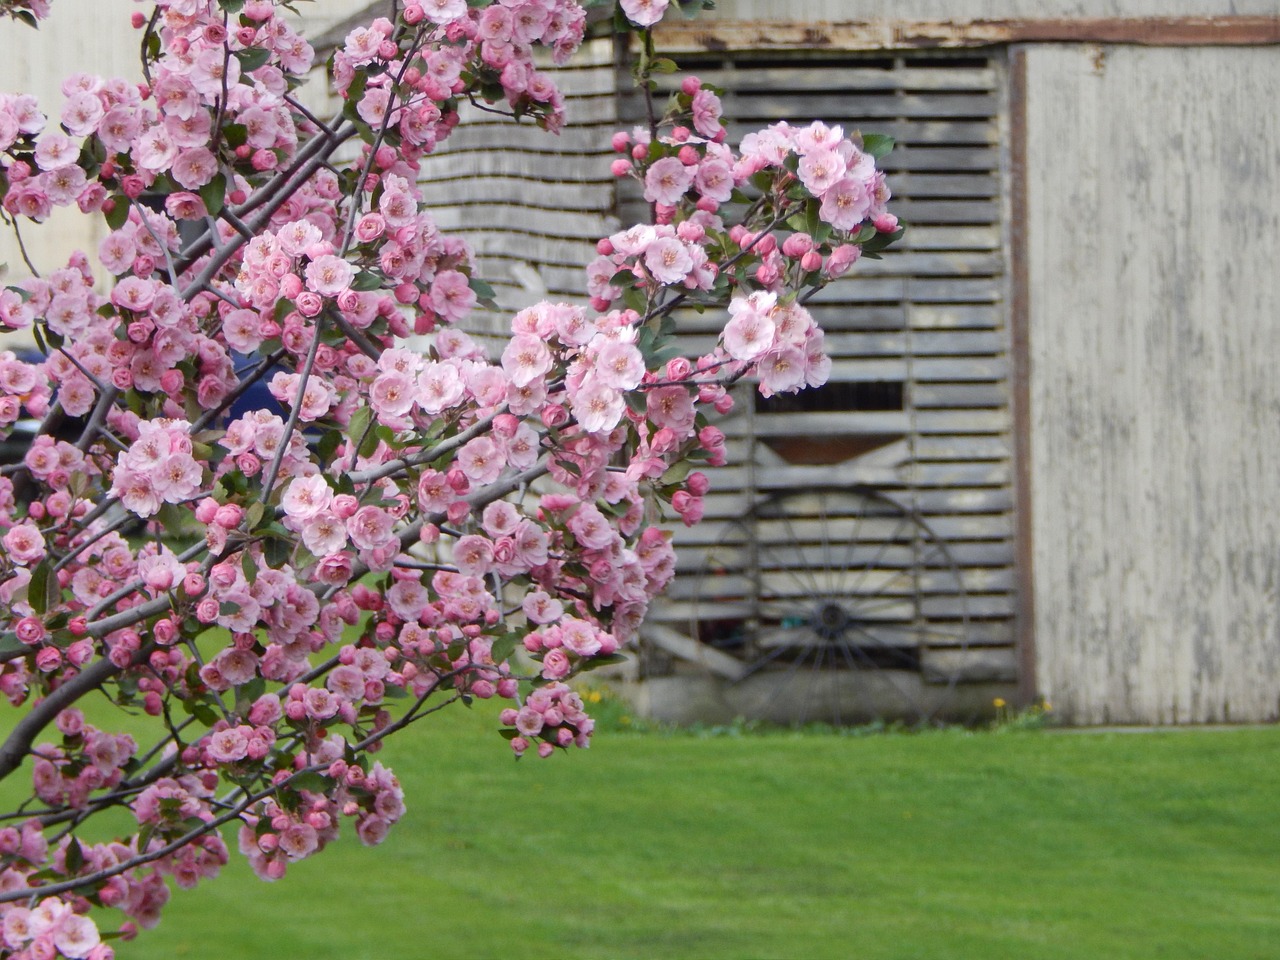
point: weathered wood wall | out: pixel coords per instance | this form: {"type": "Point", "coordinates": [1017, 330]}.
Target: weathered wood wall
{"type": "Point", "coordinates": [918, 401]}
{"type": "Point", "coordinates": [1154, 233]}
{"type": "Point", "coordinates": [843, 10]}
{"type": "Point", "coordinates": [532, 204]}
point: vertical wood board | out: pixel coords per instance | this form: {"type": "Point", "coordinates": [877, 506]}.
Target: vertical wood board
{"type": "Point", "coordinates": [1154, 202]}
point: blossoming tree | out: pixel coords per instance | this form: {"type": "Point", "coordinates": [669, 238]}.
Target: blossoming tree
{"type": "Point", "coordinates": [279, 588]}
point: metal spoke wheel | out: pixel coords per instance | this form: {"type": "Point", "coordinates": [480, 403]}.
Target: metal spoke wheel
{"type": "Point", "coordinates": [842, 607]}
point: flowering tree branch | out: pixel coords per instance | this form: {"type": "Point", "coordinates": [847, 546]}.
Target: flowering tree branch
{"type": "Point", "coordinates": [303, 509]}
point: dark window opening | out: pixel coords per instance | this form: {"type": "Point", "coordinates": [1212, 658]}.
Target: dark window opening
{"type": "Point", "coordinates": [837, 397]}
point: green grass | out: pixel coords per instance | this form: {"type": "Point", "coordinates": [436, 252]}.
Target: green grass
{"type": "Point", "coordinates": [936, 845]}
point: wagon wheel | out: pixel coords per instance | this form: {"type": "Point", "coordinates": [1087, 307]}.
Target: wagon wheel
{"type": "Point", "coordinates": [842, 606]}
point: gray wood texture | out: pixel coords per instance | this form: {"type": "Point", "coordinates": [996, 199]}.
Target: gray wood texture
{"type": "Point", "coordinates": [1154, 193]}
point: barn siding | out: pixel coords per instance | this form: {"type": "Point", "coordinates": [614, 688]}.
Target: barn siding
{"type": "Point", "coordinates": [843, 10]}
{"type": "Point", "coordinates": [1154, 213]}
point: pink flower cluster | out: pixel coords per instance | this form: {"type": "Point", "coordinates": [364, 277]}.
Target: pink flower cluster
{"type": "Point", "coordinates": [88, 760]}
{"type": "Point", "coordinates": [551, 716]}
{"type": "Point", "coordinates": [415, 526]}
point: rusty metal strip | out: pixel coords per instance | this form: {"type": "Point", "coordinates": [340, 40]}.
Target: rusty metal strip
{"type": "Point", "coordinates": [864, 35]}
{"type": "Point", "coordinates": [1020, 400]}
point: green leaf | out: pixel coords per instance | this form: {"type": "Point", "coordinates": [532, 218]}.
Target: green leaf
{"type": "Point", "coordinates": [315, 782]}
{"type": "Point", "coordinates": [482, 290]}
{"type": "Point", "coordinates": [253, 58]}
{"type": "Point", "coordinates": [277, 551]}
{"type": "Point", "coordinates": [118, 214]}
{"type": "Point", "coordinates": [359, 424]}
{"type": "Point", "coordinates": [676, 473]}
{"type": "Point", "coordinates": [74, 856]}
{"type": "Point", "coordinates": [39, 593]}
{"type": "Point", "coordinates": [368, 280]}
{"type": "Point", "coordinates": [9, 643]}
{"type": "Point", "coordinates": [608, 661]}
{"type": "Point", "coordinates": [254, 514]}
{"type": "Point", "coordinates": [214, 194]}
{"type": "Point", "coordinates": [235, 134]}
{"type": "Point", "coordinates": [877, 144]}
{"type": "Point", "coordinates": [867, 232]}
{"type": "Point", "coordinates": [663, 65]}
{"type": "Point", "coordinates": [503, 647]}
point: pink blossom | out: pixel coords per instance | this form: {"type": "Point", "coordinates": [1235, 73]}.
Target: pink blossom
{"type": "Point", "coordinates": [750, 331]}
{"type": "Point", "coordinates": [305, 497]}
{"type": "Point", "coordinates": [329, 275]}
{"type": "Point", "coordinates": [596, 406]}
{"type": "Point", "coordinates": [525, 359]}
{"type": "Point", "coordinates": [644, 13]}
{"type": "Point", "coordinates": [667, 180]}
{"type": "Point", "coordinates": [668, 260]}
{"type": "Point", "coordinates": [24, 543]}
{"type": "Point", "coordinates": [845, 204]}
{"type": "Point", "coordinates": [481, 460]}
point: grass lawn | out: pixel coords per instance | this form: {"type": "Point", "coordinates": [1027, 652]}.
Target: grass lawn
{"type": "Point", "coordinates": [939, 845]}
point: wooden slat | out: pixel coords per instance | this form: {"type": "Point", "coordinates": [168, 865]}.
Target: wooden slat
{"type": "Point", "coordinates": [960, 395]}
{"type": "Point", "coordinates": [962, 421]}
{"type": "Point", "coordinates": [749, 109]}
{"type": "Point", "coordinates": [845, 78]}
{"type": "Point", "coordinates": [930, 369]}
{"type": "Point", "coordinates": [517, 190]}
{"type": "Point", "coordinates": [962, 448]}
{"type": "Point", "coordinates": [952, 316]}
{"type": "Point", "coordinates": [977, 665]}
{"type": "Point", "coordinates": [963, 343]}
{"type": "Point", "coordinates": [831, 424]}
{"type": "Point", "coordinates": [512, 220]}
{"type": "Point", "coordinates": [491, 163]}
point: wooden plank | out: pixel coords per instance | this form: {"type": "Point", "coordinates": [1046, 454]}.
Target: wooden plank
{"type": "Point", "coordinates": [686, 648]}
{"type": "Point", "coordinates": [743, 34]}
{"type": "Point", "coordinates": [948, 237]}
{"type": "Point", "coordinates": [958, 290]}
{"type": "Point", "coordinates": [982, 605]}
{"type": "Point", "coordinates": [933, 369]}
{"type": "Point", "coordinates": [973, 448]}
{"type": "Point", "coordinates": [962, 421]}
{"type": "Point", "coordinates": [958, 343]}
{"type": "Point", "coordinates": [922, 264]}
{"type": "Point", "coordinates": [592, 168]}
{"type": "Point", "coordinates": [540, 194]}
{"type": "Point", "coordinates": [956, 158]}
{"type": "Point", "coordinates": [992, 472]}
{"type": "Point", "coordinates": [831, 424]}
{"type": "Point", "coordinates": [979, 500]}
{"type": "Point", "coordinates": [918, 186]}
{"type": "Point", "coordinates": [576, 138]}
{"type": "Point", "coordinates": [1154, 494]}
{"type": "Point", "coordinates": [955, 316]}
{"type": "Point", "coordinates": [977, 665]}
{"type": "Point", "coordinates": [960, 395]}
{"type": "Point", "coordinates": [946, 211]}
{"type": "Point", "coordinates": [751, 109]}
{"type": "Point", "coordinates": [842, 76]}
{"type": "Point", "coordinates": [524, 221]}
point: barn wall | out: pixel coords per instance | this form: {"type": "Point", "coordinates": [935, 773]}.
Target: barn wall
{"type": "Point", "coordinates": [842, 10]}
{"type": "Point", "coordinates": [1153, 186]}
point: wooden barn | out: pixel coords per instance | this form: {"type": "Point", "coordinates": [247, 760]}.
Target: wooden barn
{"type": "Point", "coordinates": [1046, 465]}
{"type": "Point", "coordinates": [1048, 461]}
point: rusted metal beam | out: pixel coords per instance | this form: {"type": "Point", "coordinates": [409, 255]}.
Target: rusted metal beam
{"type": "Point", "coordinates": [864, 35]}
